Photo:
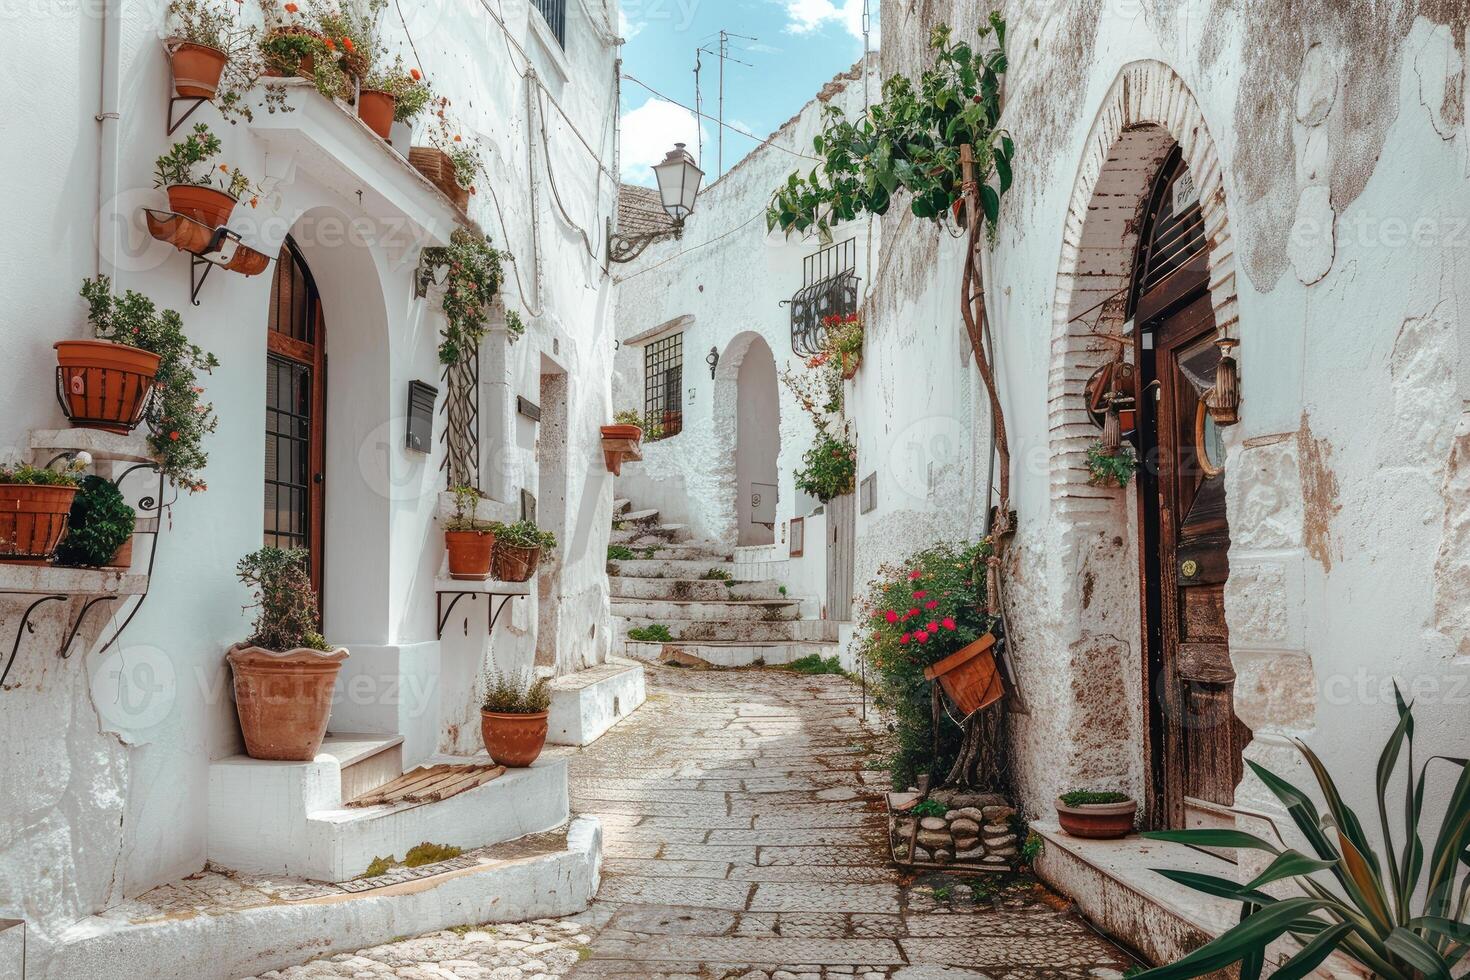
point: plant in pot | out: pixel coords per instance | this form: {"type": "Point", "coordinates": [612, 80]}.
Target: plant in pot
{"type": "Point", "coordinates": [34, 505]}
{"type": "Point", "coordinates": [215, 54]}
{"type": "Point", "coordinates": [350, 44]}
{"type": "Point", "coordinates": [844, 342]}
{"type": "Point", "coordinates": [1111, 468]}
{"type": "Point", "coordinates": [133, 338]}
{"type": "Point", "coordinates": [513, 718]}
{"type": "Point", "coordinates": [518, 550]}
{"type": "Point", "coordinates": [829, 468]}
{"type": "Point", "coordinates": [285, 671]}
{"type": "Point", "coordinates": [197, 187]}
{"type": "Point", "coordinates": [1097, 816]}
{"type": "Point", "coordinates": [621, 440]}
{"type": "Point", "coordinates": [99, 529]}
{"type": "Point", "coordinates": [392, 94]}
{"type": "Point", "coordinates": [291, 48]}
{"type": "Point", "coordinates": [469, 540]}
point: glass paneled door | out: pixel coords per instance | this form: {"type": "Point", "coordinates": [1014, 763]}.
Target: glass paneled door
{"type": "Point", "coordinates": [295, 397]}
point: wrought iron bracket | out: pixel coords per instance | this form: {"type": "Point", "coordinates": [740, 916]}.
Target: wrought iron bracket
{"type": "Point", "coordinates": [192, 101]}
{"type": "Point", "coordinates": [494, 608]}
{"type": "Point", "coordinates": [25, 628]}
{"type": "Point", "coordinates": [626, 248]}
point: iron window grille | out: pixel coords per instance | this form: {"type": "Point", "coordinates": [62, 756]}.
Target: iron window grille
{"type": "Point", "coordinates": [830, 288]}
{"type": "Point", "coordinates": [663, 380]}
{"type": "Point", "coordinates": [554, 12]}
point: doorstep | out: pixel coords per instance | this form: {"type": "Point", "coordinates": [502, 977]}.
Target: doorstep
{"type": "Point", "coordinates": [221, 925]}
{"type": "Point", "coordinates": [584, 705]}
{"type": "Point", "coordinates": [1114, 886]}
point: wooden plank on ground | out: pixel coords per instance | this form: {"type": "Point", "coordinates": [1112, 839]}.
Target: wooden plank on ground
{"type": "Point", "coordinates": [429, 785]}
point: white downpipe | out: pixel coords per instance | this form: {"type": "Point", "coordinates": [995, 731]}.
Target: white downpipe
{"type": "Point", "coordinates": [109, 123]}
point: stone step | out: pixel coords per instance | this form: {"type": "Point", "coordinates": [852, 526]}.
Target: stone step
{"type": "Point", "coordinates": [691, 590]}
{"type": "Point", "coordinates": [727, 654]}
{"type": "Point", "coordinates": [366, 761]}
{"type": "Point", "coordinates": [736, 631]}
{"type": "Point", "coordinates": [672, 568]}
{"type": "Point", "coordinates": [621, 507]}
{"type": "Point", "coordinates": [644, 518]}
{"type": "Point", "coordinates": [584, 705]}
{"type": "Point", "coordinates": [638, 534]}
{"type": "Point", "coordinates": [725, 610]}
{"type": "Point", "coordinates": [685, 551]}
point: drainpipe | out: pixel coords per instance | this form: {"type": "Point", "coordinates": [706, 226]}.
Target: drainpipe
{"type": "Point", "coordinates": [108, 122]}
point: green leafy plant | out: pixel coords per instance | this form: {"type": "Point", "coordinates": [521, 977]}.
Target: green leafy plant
{"type": "Point", "coordinates": [378, 867]}
{"type": "Point", "coordinates": [411, 94]}
{"type": "Point", "coordinates": [1114, 469]}
{"type": "Point", "coordinates": [844, 335]}
{"type": "Point", "coordinates": [619, 552]}
{"type": "Point", "coordinates": [1402, 913]}
{"type": "Point", "coordinates": [180, 165]}
{"type": "Point", "coordinates": [349, 32]}
{"type": "Point", "coordinates": [36, 476]}
{"type": "Point", "coordinates": [99, 523]}
{"type": "Point", "coordinates": [918, 613]}
{"type": "Point", "coordinates": [1032, 847]}
{"type": "Point", "coordinates": [651, 425]}
{"type": "Point", "coordinates": [428, 853]}
{"type": "Point", "coordinates": [284, 48]}
{"type": "Point", "coordinates": [178, 418]}
{"type": "Point", "coordinates": [515, 327]}
{"type": "Point", "coordinates": [657, 633]}
{"type": "Point", "coordinates": [523, 534]}
{"type": "Point", "coordinates": [717, 575]}
{"type": "Point", "coordinates": [1082, 797]}
{"type": "Point", "coordinates": [829, 468]}
{"type": "Point", "coordinates": [466, 506]}
{"type": "Point", "coordinates": [813, 665]}
{"type": "Point", "coordinates": [929, 808]}
{"type": "Point", "coordinates": [515, 694]}
{"type": "Point", "coordinates": [287, 616]}
{"type": "Point", "coordinates": [475, 278]}
{"type": "Point", "coordinates": [218, 24]}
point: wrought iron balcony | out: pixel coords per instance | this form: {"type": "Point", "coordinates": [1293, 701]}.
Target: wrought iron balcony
{"type": "Point", "coordinates": [831, 289]}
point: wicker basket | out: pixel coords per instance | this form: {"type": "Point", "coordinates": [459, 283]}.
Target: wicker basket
{"type": "Point", "coordinates": [434, 164]}
{"type": "Point", "coordinates": [32, 521]}
{"type": "Point", "coordinates": [512, 564]}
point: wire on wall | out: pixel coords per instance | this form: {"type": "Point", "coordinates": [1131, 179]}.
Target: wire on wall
{"type": "Point", "coordinates": [769, 141]}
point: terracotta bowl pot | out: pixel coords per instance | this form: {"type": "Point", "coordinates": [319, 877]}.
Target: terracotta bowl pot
{"type": "Point", "coordinates": [105, 385]}
{"type": "Point", "coordinates": [469, 553]}
{"type": "Point", "coordinates": [197, 69]}
{"type": "Point", "coordinates": [284, 700]}
{"type": "Point", "coordinates": [514, 741]}
{"type": "Point", "coordinates": [622, 432]}
{"type": "Point", "coordinates": [513, 564]}
{"type": "Point", "coordinates": [1097, 821]}
{"type": "Point", "coordinates": [32, 521]}
{"type": "Point", "coordinates": [376, 109]}
{"type": "Point", "coordinates": [970, 676]}
{"type": "Point", "coordinates": [206, 205]}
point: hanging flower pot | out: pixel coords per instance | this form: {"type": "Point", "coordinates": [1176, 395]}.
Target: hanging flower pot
{"type": "Point", "coordinates": [197, 69]}
{"type": "Point", "coordinates": [284, 700]}
{"type": "Point", "coordinates": [970, 677]}
{"type": "Point", "coordinates": [469, 554]}
{"type": "Point", "coordinates": [376, 109]}
{"type": "Point", "coordinates": [104, 385]}
{"type": "Point", "coordinates": [207, 205]}
{"type": "Point", "coordinates": [850, 365]}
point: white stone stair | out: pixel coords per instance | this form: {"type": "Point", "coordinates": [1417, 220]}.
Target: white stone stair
{"type": "Point", "coordinates": [586, 704]}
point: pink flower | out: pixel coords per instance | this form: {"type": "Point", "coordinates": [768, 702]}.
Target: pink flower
{"type": "Point", "coordinates": [932, 604]}
{"type": "Point", "coordinates": [914, 574]}
{"type": "Point", "coordinates": [913, 612]}
{"type": "Point", "coordinates": [891, 616]}
{"type": "Point", "coordinates": [949, 623]}
{"type": "Point", "coordinates": [905, 639]}
{"type": "Point", "coordinates": [932, 628]}
{"type": "Point", "coordinates": [922, 636]}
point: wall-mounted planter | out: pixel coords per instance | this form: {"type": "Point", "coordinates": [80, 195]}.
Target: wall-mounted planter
{"type": "Point", "coordinates": [970, 677]}
{"type": "Point", "coordinates": [514, 564]}
{"type": "Point", "coordinates": [197, 69]}
{"type": "Point", "coordinates": [469, 554]}
{"type": "Point", "coordinates": [284, 700]}
{"type": "Point", "coordinates": [206, 205]}
{"type": "Point", "coordinates": [103, 385]}
{"type": "Point", "coordinates": [435, 164]}
{"type": "Point", "coordinates": [32, 521]}
{"type": "Point", "coordinates": [619, 443]}
{"type": "Point", "coordinates": [376, 109]}
{"type": "Point", "coordinates": [850, 365]}
{"type": "Point", "coordinates": [188, 235]}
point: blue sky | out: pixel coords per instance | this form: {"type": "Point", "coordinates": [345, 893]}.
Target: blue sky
{"type": "Point", "coordinates": [800, 45]}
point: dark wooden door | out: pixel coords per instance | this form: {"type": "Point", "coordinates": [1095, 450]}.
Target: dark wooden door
{"type": "Point", "coordinates": [1193, 682]}
{"type": "Point", "coordinates": [295, 400]}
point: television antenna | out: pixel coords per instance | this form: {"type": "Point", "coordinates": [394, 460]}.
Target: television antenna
{"type": "Point", "coordinates": [723, 53]}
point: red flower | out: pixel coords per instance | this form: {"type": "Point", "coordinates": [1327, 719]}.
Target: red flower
{"type": "Point", "coordinates": [347, 43]}
{"type": "Point", "coordinates": [922, 636]}
{"type": "Point", "coordinates": [913, 612]}
{"type": "Point", "coordinates": [949, 623]}
{"type": "Point", "coordinates": [329, 43]}
{"type": "Point", "coordinates": [291, 8]}
{"type": "Point", "coordinates": [920, 594]}
{"type": "Point", "coordinates": [415, 74]}
{"type": "Point", "coordinates": [932, 604]}
{"type": "Point", "coordinates": [891, 616]}
{"type": "Point", "coordinates": [174, 436]}
{"type": "Point", "coordinates": [905, 639]}
{"type": "Point", "coordinates": [932, 627]}
{"type": "Point", "coordinates": [914, 574]}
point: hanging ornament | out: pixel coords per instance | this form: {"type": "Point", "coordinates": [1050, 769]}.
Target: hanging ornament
{"type": "Point", "coordinates": [1112, 433]}
{"type": "Point", "coordinates": [1223, 400]}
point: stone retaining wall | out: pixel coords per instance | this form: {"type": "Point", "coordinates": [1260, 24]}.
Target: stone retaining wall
{"type": "Point", "coordinates": [976, 831]}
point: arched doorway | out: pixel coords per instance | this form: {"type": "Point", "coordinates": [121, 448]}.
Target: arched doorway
{"type": "Point", "coordinates": [757, 445]}
{"type": "Point", "coordinates": [295, 411]}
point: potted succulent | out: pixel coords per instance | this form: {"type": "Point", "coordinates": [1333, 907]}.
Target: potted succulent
{"type": "Point", "coordinates": [285, 671]}
{"type": "Point", "coordinates": [34, 504]}
{"type": "Point", "coordinates": [129, 329]}
{"type": "Point", "coordinates": [99, 529]}
{"type": "Point", "coordinates": [469, 540]}
{"type": "Point", "coordinates": [1097, 816]}
{"type": "Point", "coordinates": [208, 196]}
{"type": "Point", "coordinates": [518, 549]}
{"type": "Point", "coordinates": [513, 719]}
{"type": "Point", "coordinates": [393, 94]}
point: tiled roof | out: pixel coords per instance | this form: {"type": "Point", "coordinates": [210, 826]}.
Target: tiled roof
{"type": "Point", "coordinates": [640, 212]}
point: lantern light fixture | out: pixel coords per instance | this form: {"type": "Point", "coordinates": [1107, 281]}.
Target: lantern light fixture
{"type": "Point", "coordinates": [679, 178]}
{"type": "Point", "coordinates": [713, 360]}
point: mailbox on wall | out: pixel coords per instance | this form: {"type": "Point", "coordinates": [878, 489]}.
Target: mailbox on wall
{"type": "Point", "coordinates": [421, 398]}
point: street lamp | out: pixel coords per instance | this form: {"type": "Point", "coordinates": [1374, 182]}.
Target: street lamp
{"type": "Point", "coordinates": [678, 178]}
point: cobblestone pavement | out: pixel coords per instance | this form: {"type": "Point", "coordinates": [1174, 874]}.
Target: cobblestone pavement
{"type": "Point", "coordinates": [745, 840]}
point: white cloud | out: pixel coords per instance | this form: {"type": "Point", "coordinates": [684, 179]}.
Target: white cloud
{"type": "Point", "coordinates": [649, 132]}
{"type": "Point", "coordinates": [627, 30]}
{"type": "Point", "coordinates": [806, 16]}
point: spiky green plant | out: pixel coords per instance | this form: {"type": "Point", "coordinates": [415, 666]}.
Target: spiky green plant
{"type": "Point", "coordinates": [1390, 912]}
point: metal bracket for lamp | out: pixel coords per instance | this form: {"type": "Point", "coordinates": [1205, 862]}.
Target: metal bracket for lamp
{"type": "Point", "coordinates": [626, 248]}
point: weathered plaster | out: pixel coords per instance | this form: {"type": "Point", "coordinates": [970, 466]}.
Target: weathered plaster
{"type": "Point", "coordinates": [1319, 494]}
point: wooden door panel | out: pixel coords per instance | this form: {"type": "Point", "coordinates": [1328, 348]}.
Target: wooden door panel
{"type": "Point", "coordinates": [1202, 614]}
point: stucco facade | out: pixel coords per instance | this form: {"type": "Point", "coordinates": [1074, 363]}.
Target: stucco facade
{"type": "Point", "coordinates": [106, 759]}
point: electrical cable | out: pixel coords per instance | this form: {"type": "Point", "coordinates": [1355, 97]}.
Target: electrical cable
{"type": "Point", "coordinates": [693, 248]}
{"type": "Point", "coordinates": [770, 141]}
{"type": "Point", "coordinates": [556, 193]}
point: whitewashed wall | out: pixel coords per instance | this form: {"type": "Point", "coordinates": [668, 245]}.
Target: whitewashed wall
{"type": "Point", "coordinates": [106, 796]}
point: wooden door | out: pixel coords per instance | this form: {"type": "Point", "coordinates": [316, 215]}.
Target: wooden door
{"type": "Point", "coordinates": [295, 400]}
{"type": "Point", "coordinates": [841, 549]}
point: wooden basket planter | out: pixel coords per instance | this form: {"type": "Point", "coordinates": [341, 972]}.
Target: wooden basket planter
{"type": "Point", "coordinates": [620, 443]}
{"type": "Point", "coordinates": [970, 677]}
{"type": "Point", "coordinates": [514, 564]}
{"type": "Point", "coordinates": [197, 69]}
{"type": "Point", "coordinates": [32, 521]}
{"type": "Point", "coordinates": [103, 385]}
{"type": "Point", "coordinates": [435, 164]}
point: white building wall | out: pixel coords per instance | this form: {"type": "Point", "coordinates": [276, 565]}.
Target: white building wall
{"type": "Point", "coordinates": [106, 794]}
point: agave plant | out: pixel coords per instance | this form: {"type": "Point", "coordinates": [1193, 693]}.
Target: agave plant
{"type": "Point", "coordinates": [1389, 912]}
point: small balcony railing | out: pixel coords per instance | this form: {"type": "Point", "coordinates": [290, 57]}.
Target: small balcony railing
{"type": "Point", "coordinates": [830, 289]}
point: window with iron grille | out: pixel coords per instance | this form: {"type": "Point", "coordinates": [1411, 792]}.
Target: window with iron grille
{"type": "Point", "coordinates": [663, 380]}
{"type": "Point", "coordinates": [830, 288]}
{"type": "Point", "coordinates": [555, 13]}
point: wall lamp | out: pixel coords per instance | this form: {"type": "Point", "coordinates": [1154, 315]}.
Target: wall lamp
{"type": "Point", "coordinates": [679, 178]}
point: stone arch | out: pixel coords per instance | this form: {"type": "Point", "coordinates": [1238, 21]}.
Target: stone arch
{"type": "Point", "coordinates": [1092, 544]}
{"type": "Point", "coordinates": [725, 522]}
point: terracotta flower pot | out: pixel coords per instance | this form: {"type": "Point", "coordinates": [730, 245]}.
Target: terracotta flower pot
{"type": "Point", "coordinates": [850, 365]}
{"type": "Point", "coordinates": [104, 385]}
{"type": "Point", "coordinates": [469, 553]}
{"type": "Point", "coordinates": [122, 558]}
{"type": "Point", "coordinates": [376, 109]}
{"type": "Point", "coordinates": [970, 677]}
{"type": "Point", "coordinates": [513, 740]}
{"type": "Point", "coordinates": [284, 700]}
{"type": "Point", "coordinates": [32, 521]}
{"type": "Point", "coordinates": [513, 564]}
{"type": "Point", "coordinates": [619, 434]}
{"type": "Point", "coordinates": [206, 205]}
{"type": "Point", "coordinates": [1097, 821]}
{"type": "Point", "coordinates": [197, 69]}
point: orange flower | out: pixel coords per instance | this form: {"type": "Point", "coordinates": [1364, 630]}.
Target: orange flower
{"type": "Point", "coordinates": [347, 43]}
{"type": "Point", "coordinates": [415, 74]}
{"type": "Point", "coordinates": [254, 201]}
{"type": "Point", "coordinates": [457, 137]}
{"type": "Point", "coordinates": [328, 42]}
{"type": "Point", "coordinates": [224, 168]}
{"type": "Point", "coordinates": [174, 436]}
{"type": "Point", "coordinates": [291, 8]}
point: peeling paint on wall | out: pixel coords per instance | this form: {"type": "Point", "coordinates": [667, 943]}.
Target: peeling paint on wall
{"type": "Point", "coordinates": [1319, 494]}
{"type": "Point", "coordinates": [1452, 567]}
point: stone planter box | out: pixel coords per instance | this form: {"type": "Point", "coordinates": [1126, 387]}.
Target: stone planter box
{"type": "Point", "coordinates": [976, 834]}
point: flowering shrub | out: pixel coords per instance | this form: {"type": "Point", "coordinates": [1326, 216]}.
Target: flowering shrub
{"type": "Point", "coordinates": [844, 334]}
{"type": "Point", "coordinates": [407, 86]}
{"type": "Point", "coordinates": [287, 616]}
{"type": "Point", "coordinates": [915, 615]}
{"type": "Point", "coordinates": [218, 24]}
{"type": "Point", "coordinates": [829, 468]}
{"type": "Point", "coordinates": [475, 277]}
{"type": "Point", "coordinates": [180, 165]}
